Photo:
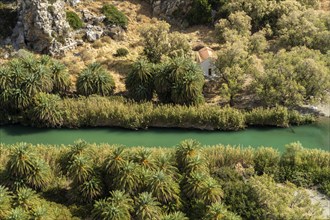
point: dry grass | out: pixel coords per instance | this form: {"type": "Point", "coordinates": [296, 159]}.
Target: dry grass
{"type": "Point", "coordinates": [139, 14]}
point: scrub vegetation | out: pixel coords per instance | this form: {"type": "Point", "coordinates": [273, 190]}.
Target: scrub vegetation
{"type": "Point", "coordinates": [189, 181]}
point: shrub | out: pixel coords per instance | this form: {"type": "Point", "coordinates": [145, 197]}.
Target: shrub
{"type": "Point", "coordinates": [95, 79]}
{"type": "Point", "coordinates": [121, 52]}
{"type": "Point", "coordinates": [114, 16]}
{"type": "Point", "coordinates": [200, 13]}
{"type": "Point", "coordinates": [74, 20]}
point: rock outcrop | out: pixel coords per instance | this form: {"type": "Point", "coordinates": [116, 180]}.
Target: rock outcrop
{"type": "Point", "coordinates": [171, 9]}
{"type": "Point", "coordinates": [42, 27]}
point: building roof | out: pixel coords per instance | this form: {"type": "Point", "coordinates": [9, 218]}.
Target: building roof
{"type": "Point", "coordinates": [203, 54]}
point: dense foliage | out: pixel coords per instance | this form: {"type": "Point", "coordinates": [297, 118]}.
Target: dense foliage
{"type": "Point", "coordinates": [23, 78]}
{"type": "Point", "coordinates": [74, 20]}
{"type": "Point", "coordinates": [95, 79]}
{"type": "Point", "coordinates": [188, 182]}
{"type": "Point", "coordinates": [178, 81]}
{"type": "Point", "coordinates": [114, 16]}
{"type": "Point", "coordinates": [113, 111]}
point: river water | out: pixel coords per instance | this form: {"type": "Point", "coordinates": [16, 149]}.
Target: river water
{"type": "Point", "coordinates": [311, 136]}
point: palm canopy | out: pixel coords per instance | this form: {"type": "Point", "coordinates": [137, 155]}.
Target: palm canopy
{"type": "Point", "coordinates": [147, 208]}
{"type": "Point", "coordinates": [95, 79]}
{"type": "Point", "coordinates": [139, 81]}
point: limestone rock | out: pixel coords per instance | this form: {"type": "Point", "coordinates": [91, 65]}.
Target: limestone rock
{"type": "Point", "coordinates": [174, 10]}
{"type": "Point", "coordinates": [91, 18]}
{"type": "Point", "coordinates": [93, 32]}
{"type": "Point", "coordinates": [42, 27]}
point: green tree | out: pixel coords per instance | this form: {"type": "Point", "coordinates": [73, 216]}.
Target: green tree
{"type": "Point", "coordinates": [127, 179]}
{"type": "Point", "coordinates": [238, 23]}
{"type": "Point", "coordinates": [155, 41]}
{"type": "Point", "coordinates": [5, 202]}
{"type": "Point", "coordinates": [95, 79]}
{"type": "Point", "coordinates": [60, 77]}
{"type": "Point", "coordinates": [175, 216]}
{"type": "Point", "coordinates": [305, 28]}
{"type": "Point", "coordinates": [217, 211]}
{"type": "Point", "coordinates": [164, 189]}
{"type": "Point", "coordinates": [200, 13]}
{"type": "Point", "coordinates": [293, 78]}
{"type": "Point", "coordinates": [232, 65]}
{"type": "Point", "coordinates": [147, 208]}
{"type": "Point", "coordinates": [139, 81]}
{"type": "Point", "coordinates": [282, 202]}
{"type": "Point", "coordinates": [24, 168]}
{"type": "Point", "coordinates": [180, 81]}
{"type": "Point", "coordinates": [46, 110]}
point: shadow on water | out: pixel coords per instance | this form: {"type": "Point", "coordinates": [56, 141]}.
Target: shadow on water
{"type": "Point", "coordinates": [18, 130]}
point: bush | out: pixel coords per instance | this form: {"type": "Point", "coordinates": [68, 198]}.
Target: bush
{"type": "Point", "coordinates": [114, 16]}
{"type": "Point", "coordinates": [74, 20]}
{"type": "Point", "coordinates": [95, 79]}
{"type": "Point", "coordinates": [121, 52]}
{"type": "Point", "coordinates": [200, 13]}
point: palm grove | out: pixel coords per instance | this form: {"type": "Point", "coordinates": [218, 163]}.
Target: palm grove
{"type": "Point", "coordinates": [84, 181]}
{"type": "Point", "coordinates": [276, 51]}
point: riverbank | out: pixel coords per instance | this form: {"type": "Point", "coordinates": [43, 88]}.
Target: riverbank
{"type": "Point", "coordinates": [96, 111]}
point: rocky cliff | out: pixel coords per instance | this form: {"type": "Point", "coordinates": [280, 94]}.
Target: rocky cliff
{"type": "Point", "coordinates": [173, 10]}
{"type": "Point", "coordinates": [42, 27]}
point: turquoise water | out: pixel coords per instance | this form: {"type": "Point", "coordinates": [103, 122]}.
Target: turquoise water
{"type": "Point", "coordinates": [311, 136]}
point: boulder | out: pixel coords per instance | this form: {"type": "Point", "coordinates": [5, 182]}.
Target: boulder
{"type": "Point", "coordinates": [91, 18]}
{"type": "Point", "coordinates": [42, 27]}
{"type": "Point", "coordinates": [93, 32]}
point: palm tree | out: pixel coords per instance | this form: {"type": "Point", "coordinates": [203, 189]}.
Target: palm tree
{"type": "Point", "coordinates": [25, 198]}
{"type": "Point", "coordinates": [115, 161]}
{"type": "Point", "coordinates": [18, 214]}
{"type": "Point", "coordinates": [40, 213]}
{"type": "Point", "coordinates": [118, 206]}
{"type": "Point", "coordinates": [60, 77]}
{"type": "Point", "coordinates": [217, 211]}
{"type": "Point", "coordinates": [163, 82]}
{"type": "Point", "coordinates": [165, 163]}
{"type": "Point", "coordinates": [147, 208]}
{"type": "Point", "coordinates": [80, 169]}
{"type": "Point", "coordinates": [46, 111]}
{"type": "Point", "coordinates": [37, 80]}
{"type": "Point", "coordinates": [5, 202]}
{"type": "Point", "coordinates": [90, 189]}
{"type": "Point", "coordinates": [186, 150]}
{"type": "Point", "coordinates": [175, 216]}
{"type": "Point", "coordinates": [79, 148]}
{"type": "Point", "coordinates": [95, 80]}
{"type": "Point", "coordinates": [139, 81]}
{"type": "Point", "coordinates": [127, 179]}
{"type": "Point", "coordinates": [187, 82]}
{"type": "Point", "coordinates": [211, 191]}
{"type": "Point", "coordinates": [121, 199]}
{"type": "Point", "coordinates": [41, 175]}
{"type": "Point", "coordinates": [193, 184]}
{"type": "Point", "coordinates": [21, 161]}
{"type": "Point", "coordinates": [164, 189]}
{"type": "Point", "coordinates": [144, 158]}
{"type": "Point", "coordinates": [196, 163]}
{"type": "Point", "coordinates": [24, 168]}
{"type": "Point", "coordinates": [109, 211]}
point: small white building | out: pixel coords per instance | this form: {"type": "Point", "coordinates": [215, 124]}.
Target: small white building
{"type": "Point", "coordinates": [205, 57]}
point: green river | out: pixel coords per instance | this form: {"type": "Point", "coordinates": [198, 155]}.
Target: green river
{"type": "Point", "coordinates": [311, 136]}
